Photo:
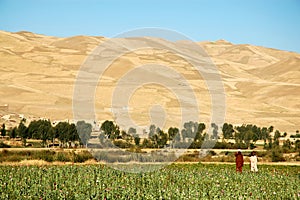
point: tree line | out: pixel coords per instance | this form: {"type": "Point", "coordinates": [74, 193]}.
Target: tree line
{"type": "Point", "coordinates": [192, 135]}
{"type": "Point", "coordinates": [66, 133]}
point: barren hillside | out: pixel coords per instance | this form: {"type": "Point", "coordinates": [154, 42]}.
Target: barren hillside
{"type": "Point", "coordinates": [37, 75]}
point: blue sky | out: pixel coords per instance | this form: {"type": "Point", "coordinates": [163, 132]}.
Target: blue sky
{"type": "Point", "coordinates": [270, 23]}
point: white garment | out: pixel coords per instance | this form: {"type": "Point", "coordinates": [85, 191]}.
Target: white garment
{"type": "Point", "coordinates": [253, 163]}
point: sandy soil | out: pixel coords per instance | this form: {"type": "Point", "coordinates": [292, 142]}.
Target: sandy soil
{"type": "Point", "coordinates": [37, 75]}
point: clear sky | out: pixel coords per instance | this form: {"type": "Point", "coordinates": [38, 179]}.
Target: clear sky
{"type": "Point", "coordinates": [270, 23]}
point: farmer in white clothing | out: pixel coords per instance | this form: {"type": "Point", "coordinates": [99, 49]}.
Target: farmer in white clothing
{"type": "Point", "coordinates": [253, 162]}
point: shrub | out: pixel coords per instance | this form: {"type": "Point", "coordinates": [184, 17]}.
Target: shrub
{"type": "Point", "coordinates": [62, 157]}
{"type": "Point", "coordinates": [3, 145]}
{"type": "Point", "coordinates": [14, 158]}
{"type": "Point", "coordinates": [287, 150]}
{"type": "Point", "coordinates": [47, 156]}
{"type": "Point", "coordinates": [222, 145]}
{"type": "Point", "coordinates": [195, 145]}
{"type": "Point", "coordinates": [252, 146]}
{"type": "Point", "coordinates": [212, 153]}
{"type": "Point", "coordinates": [240, 146]}
{"type": "Point", "coordinates": [4, 151]}
{"type": "Point", "coordinates": [295, 136]}
{"type": "Point", "coordinates": [81, 157]}
{"type": "Point", "coordinates": [123, 144]}
{"type": "Point", "coordinates": [261, 153]}
{"type": "Point", "coordinates": [187, 158]}
{"type": "Point", "coordinates": [277, 155]}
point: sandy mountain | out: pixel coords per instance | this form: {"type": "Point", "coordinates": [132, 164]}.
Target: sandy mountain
{"type": "Point", "coordinates": [38, 72]}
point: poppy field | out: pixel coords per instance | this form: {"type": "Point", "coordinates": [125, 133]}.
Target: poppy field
{"type": "Point", "coordinates": [176, 181]}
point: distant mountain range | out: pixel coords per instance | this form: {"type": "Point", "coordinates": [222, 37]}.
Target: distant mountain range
{"type": "Point", "coordinates": [37, 75]}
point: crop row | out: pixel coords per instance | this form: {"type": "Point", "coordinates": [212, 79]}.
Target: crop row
{"type": "Point", "coordinates": [176, 181]}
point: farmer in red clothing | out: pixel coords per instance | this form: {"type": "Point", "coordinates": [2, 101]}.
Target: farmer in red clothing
{"type": "Point", "coordinates": [239, 161]}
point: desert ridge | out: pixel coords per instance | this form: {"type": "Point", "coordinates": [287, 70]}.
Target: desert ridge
{"type": "Point", "coordinates": [38, 72]}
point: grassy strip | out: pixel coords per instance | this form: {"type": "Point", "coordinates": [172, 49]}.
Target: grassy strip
{"type": "Point", "coordinates": [46, 155]}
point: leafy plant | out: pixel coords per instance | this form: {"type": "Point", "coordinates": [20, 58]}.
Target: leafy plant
{"type": "Point", "coordinates": [176, 181]}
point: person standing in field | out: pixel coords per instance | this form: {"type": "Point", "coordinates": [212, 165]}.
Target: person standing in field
{"type": "Point", "coordinates": [239, 161]}
{"type": "Point", "coordinates": [253, 162]}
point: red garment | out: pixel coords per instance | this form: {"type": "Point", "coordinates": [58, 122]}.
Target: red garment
{"type": "Point", "coordinates": [239, 161]}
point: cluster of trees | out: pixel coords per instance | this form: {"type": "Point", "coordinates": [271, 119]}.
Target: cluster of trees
{"type": "Point", "coordinates": [157, 138]}
{"type": "Point", "coordinates": [297, 135]}
{"type": "Point", "coordinates": [64, 132]}
{"type": "Point", "coordinates": [191, 135]}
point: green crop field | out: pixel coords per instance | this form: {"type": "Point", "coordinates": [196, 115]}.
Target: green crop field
{"type": "Point", "coordinates": [176, 181]}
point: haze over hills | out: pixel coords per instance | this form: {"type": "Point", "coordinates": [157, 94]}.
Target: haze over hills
{"type": "Point", "coordinates": [38, 72]}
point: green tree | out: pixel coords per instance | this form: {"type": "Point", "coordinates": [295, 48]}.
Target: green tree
{"type": "Point", "coordinates": [227, 130]}
{"type": "Point", "coordinates": [297, 146]}
{"type": "Point", "coordinates": [270, 129]}
{"type": "Point", "coordinates": [287, 144]}
{"type": "Point", "coordinates": [13, 133]}
{"type": "Point", "coordinates": [190, 129]}
{"type": "Point", "coordinates": [3, 130]}
{"type": "Point", "coordinates": [162, 138]}
{"type": "Point", "coordinates": [152, 129]}
{"type": "Point", "coordinates": [256, 133]}
{"type": "Point", "coordinates": [265, 134]}
{"type": "Point", "coordinates": [284, 134]}
{"type": "Point", "coordinates": [84, 131]}
{"type": "Point", "coordinates": [248, 137]}
{"type": "Point", "coordinates": [154, 140]}
{"type": "Point", "coordinates": [126, 136]}
{"type": "Point", "coordinates": [277, 135]}
{"type": "Point", "coordinates": [249, 133]}
{"type": "Point", "coordinates": [45, 131]}
{"type": "Point", "coordinates": [22, 131]}
{"type": "Point", "coordinates": [61, 131]}
{"type": "Point", "coordinates": [270, 141]}
{"type": "Point", "coordinates": [172, 133]}
{"type": "Point", "coordinates": [33, 129]}
{"type": "Point", "coordinates": [72, 133]}
{"type": "Point", "coordinates": [111, 130]}
{"type": "Point", "coordinates": [237, 137]}
{"type": "Point", "coordinates": [183, 134]}
{"type": "Point", "coordinates": [137, 140]}
{"type": "Point", "coordinates": [177, 137]}
{"type": "Point", "coordinates": [201, 127]}
{"type": "Point", "coordinates": [132, 131]}
{"type": "Point", "coordinates": [147, 143]}
{"type": "Point", "coordinates": [215, 131]}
